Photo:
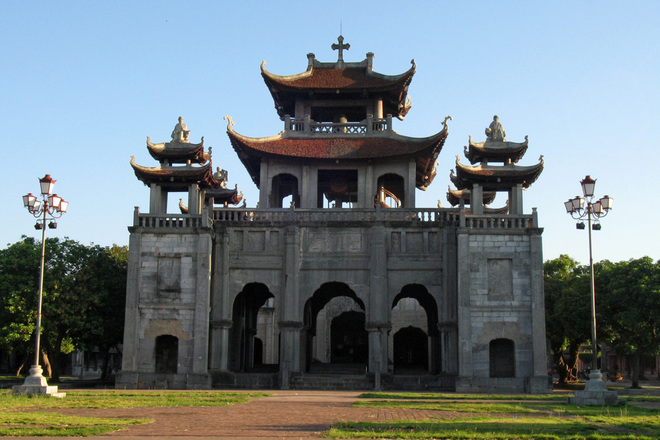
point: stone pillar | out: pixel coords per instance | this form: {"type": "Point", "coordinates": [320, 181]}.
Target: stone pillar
{"type": "Point", "coordinates": [290, 353]}
{"type": "Point", "coordinates": [539, 382]}
{"type": "Point", "coordinates": [202, 303]}
{"type": "Point", "coordinates": [477, 199]}
{"type": "Point", "coordinates": [291, 317]}
{"type": "Point", "coordinates": [221, 308]}
{"type": "Point", "coordinates": [411, 180]}
{"type": "Point", "coordinates": [378, 306]}
{"type": "Point", "coordinates": [219, 345]}
{"type": "Point", "coordinates": [129, 376]}
{"type": "Point", "coordinates": [465, 370]}
{"type": "Point", "coordinates": [157, 199]}
{"type": "Point", "coordinates": [194, 206]}
{"type": "Point", "coordinates": [265, 185]}
{"type": "Point", "coordinates": [309, 186]}
{"type": "Point", "coordinates": [516, 200]}
{"type": "Point", "coordinates": [378, 108]}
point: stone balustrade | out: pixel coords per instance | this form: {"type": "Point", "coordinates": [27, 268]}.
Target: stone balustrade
{"type": "Point", "coordinates": [439, 217]}
{"type": "Point", "coordinates": [308, 126]}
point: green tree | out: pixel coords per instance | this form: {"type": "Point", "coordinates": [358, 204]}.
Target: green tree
{"type": "Point", "coordinates": [629, 300]}
{"type": "Point", "coordinates": [103, 281]}
{"type": "Point", "coordinates": [567, 310]}
{"type": "Point", "coordinates": [18, 297]}
{"type": "Point", "coordinates": [83, 298]}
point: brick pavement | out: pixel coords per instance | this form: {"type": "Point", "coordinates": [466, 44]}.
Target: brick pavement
{"type": "Point", "coordinates": [283, 415]}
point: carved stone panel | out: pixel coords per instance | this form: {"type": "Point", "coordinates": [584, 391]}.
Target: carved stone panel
{"type": "Point", "coordinates": [334, 241]}
{"type": "Point", "coordinates": [169, 276]}
{"type": "Point", "coordinates": [500, 280]}
{"type": "Point", "coordinates": [256, 241]}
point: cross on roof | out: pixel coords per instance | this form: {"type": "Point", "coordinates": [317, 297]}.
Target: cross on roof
{"type": "Point", "coordinates": [341, 46]}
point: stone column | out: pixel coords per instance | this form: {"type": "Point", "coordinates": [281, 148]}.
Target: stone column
{"type": "Point", "coordinates": [265, 185]}
{"type": "Point", "coordinates": [291, 317]}
{"type": "Point", "coordinates": [516, 200]}
{"type": "Point", "coordinates": [220, 345]}
{"type": "Point", "coordinates": [477, 199]}
{"type": "Point", "coordinates": [221, 309]}
{"type": "Point", "coordinates": [194, 207]}
{"type": "Point", "coordinates": [465, 370]}
{"type": "Point", "coordinates": [538, 383]}
{"type": "Point", "coordinates": [129, 365]}
{"type": "Point", "coordinates": [378, 307]}
{"type": "Point", "coordinates": [157, 199]}
{"type": "Point", "coordinates": [411, 180]}
{"type": "Point", "coordinates": [202, 303]}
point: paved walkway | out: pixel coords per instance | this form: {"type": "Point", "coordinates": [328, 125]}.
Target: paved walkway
{"type": "Point", "coordinates": [283, 415]}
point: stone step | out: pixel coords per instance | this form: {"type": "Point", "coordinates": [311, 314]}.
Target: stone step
{"type": "Point", "coordinates": [338, 369]}
{"type": "Point", "coordinates": [309, 381]}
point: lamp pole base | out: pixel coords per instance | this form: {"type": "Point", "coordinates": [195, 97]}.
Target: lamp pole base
{"type": "Point", "coordinates": [36, 384]}
{"type": "Point", "coordinates": [595, 392]}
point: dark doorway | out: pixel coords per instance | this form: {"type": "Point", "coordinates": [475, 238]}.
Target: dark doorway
{"type": "Point", "coordinates": [418, 352]}
{"type": "Point", "coordinates": [167, 354]}
{"type": "Point", "coordinates": [502, 358]}
{"type": "Point", "coordinates": [244, 347]}
{"type": "Point", "coordinates": [410, 350]}
{"type": "Point", "coordinates": [349, 339]}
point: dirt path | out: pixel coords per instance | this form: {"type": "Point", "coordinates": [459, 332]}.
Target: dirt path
{"type": "Point", "coordinates": [283, 415]}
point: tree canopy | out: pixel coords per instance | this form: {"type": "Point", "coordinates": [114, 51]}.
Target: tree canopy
{"type": "Point", "coordinates": [83, 298]}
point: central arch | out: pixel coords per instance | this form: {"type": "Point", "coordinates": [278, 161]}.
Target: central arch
{"type": "Point", "coordinates": [246, 351]}
{"type": "Point", "coordinates": [335, 328]}
{"type": "Point", "coordinates": [415, 342]}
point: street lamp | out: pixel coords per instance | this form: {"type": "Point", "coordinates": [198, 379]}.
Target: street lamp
{"type": "Point", "coordinates": [581, 208]}
{"type": "Point", "coordinates": [50, 207]}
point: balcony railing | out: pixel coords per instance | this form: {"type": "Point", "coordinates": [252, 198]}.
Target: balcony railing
{"type": "Point", "coordinates": [308, 126]}
{"type": "Point", "coordinates": [428, 216]}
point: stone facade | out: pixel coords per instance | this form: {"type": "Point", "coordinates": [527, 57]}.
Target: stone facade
{"type": "Point", "coordinates": [336, 273]}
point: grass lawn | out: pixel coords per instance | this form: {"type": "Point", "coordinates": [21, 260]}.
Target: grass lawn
{"type": "Point", "coordinates": [504, 417]}
{"type": "Point", "coordinates": [23, 415]}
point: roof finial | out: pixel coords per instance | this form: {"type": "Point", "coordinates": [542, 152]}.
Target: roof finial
{"type": "Point", "coordinates": [341, 46]}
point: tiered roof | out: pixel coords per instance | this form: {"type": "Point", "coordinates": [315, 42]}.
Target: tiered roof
{"type": "Point", "coordinates": [381, 145]}
{"type": "Point", "coordinates": [493, 177]}
{"type": "Point", "coordinates": [196, 169]}
{"type": "Point", "coordinates": [340, 81]}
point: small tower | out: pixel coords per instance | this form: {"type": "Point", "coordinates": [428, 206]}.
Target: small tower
{"type": "Point", "coordinates": [184, 167]}
{"type": "Point", "coordinates": [477, 184]}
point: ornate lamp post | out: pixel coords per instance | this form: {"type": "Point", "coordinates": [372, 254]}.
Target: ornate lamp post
{"type": "Point", "coordinates": [581, 208]}
{"type": "Point", "coordinates": [46, 211]}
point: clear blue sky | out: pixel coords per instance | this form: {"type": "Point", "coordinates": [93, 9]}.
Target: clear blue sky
{"type": "Point", "coordinates": [84, 83]}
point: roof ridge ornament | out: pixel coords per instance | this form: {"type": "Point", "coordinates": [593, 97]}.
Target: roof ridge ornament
{"type": "Point", "coordinates": [229, 122]}
{"type": "Point", "coordinates": [340, 47]}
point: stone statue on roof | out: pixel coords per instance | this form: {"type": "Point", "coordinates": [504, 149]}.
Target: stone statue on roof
{"type": "Point", "coordinates": [495, 132]}
{"type": "Point", "coordinates": [180, 132]}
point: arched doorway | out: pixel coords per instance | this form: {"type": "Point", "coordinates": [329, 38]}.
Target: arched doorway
{"type": "Point", "coordinates": [244, 352]}
{"type": "Point", "coordinates": [410, 350]}
{"type": "Point", "coordinates": [334, 328]}
{"type": "Point", "coordinates": [284, 189]}
{"type": "Point", "coordinates": [501, 353]}
{"type": "Point", "coordinates": [391, 191]}
{"type": "Point", "coordinates": [415, 313]}
{"type": "Point", "coordinates": [348, 339]}
{"type": "Point", "coordinates": [167, 354]}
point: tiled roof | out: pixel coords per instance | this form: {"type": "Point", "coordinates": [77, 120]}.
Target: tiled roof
{"type": "Point", "coordinates": [358, 148]}
{"type": "Point", "coordinates": [495, 178]}
{"type": "Point", "coordinates": [178, 152]}
{"type": "Point", "coordinates": [496, 151]}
